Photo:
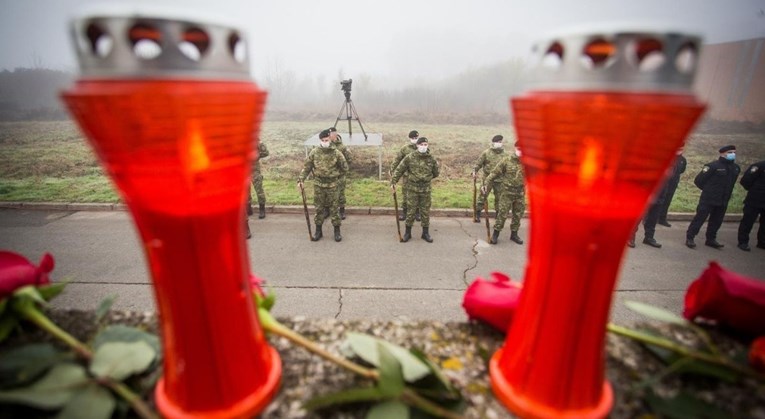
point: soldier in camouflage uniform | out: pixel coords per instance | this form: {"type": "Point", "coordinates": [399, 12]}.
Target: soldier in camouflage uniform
{"type": "Point", "coordinates": [337, 141]}
{"type": "Point", "coordinates": [257, 182]}
{"type": "Point", "coordinates": [403, 152]}
{"type": "Point", "coordinates": [487, 161]}
{"type": "Point", "coordinates": [421, 168]}
{"type": "Point", "coordinates": [327, 165]}
{"type": "Point", "coordinates": [509, 174]}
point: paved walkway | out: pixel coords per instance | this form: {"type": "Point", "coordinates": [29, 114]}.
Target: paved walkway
{"type": "Point", "coordinates": [369, 275]}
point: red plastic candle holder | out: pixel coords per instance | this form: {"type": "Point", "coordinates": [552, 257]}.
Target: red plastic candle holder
{"type": "Point", "coordinates": [596, 143]}
{"type": "Point", "coordinates": [174, 129]}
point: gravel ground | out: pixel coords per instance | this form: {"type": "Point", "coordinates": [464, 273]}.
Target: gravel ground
{"type": "Point", "coordinates": [460, 349]}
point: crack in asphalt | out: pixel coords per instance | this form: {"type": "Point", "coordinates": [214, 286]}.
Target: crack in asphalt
{"type": "Point", "coordinates": [339, 302]}
{"type": "Point", "coordinates": [473, 250]}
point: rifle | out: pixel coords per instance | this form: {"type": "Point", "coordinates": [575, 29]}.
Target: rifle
{"type": "Point", "coordinates": [305, 210]}
{"type": "Point", "coordinates": [398, 222]}
{"type": "Point", "coordinates": [486, 210]}
{"type": "Point", "coordinates": [475, 193]}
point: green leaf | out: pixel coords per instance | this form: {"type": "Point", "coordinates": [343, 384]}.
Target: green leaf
{"type": "Point", "coordinates": [267, 302]}
{"type": "Point", "coordinates": [119, 360]}
{"type": "Point", "coordinates": [52, 391]}
{"type": "Point", "coordinates": [684, 406]}
{"type": "Point", "coordinates": [365, 347]}
{"type": "Point", "coordinates": [694, 366]}
{"type": "Point", "coordinates": [7, 322]}
{"type": "Point", "coordinates": [21, 365]}
{"type": "Point", "coordinates": [92, 402]}
{"type": "Point", "coordinates": [121, 333]}
{"type": "Point", "coordinates": [354, 395]}
{"type": "Point", "coordinates": [50, 291]}
{"type": "Point", "coordinates": [391, 381]}
{"type": "Point", "coordinates": [656, 313]}
{"type": "Point", "coordinates": [443, 382]}
{"type": "Point", "coordinates": [104, 307]}
{"type": "Point", "coordinates": [389, 409]}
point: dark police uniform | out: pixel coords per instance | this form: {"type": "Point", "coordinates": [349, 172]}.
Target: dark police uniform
{"type": "Point", "coordinates": [754, 205]}
{"type": "Point", "coordinates": [670, 187]}
{"type": "Point", "coordinates": [716, 181]}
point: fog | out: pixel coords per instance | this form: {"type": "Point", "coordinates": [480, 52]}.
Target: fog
{"type": "Point", "coordinates": [303, 48]}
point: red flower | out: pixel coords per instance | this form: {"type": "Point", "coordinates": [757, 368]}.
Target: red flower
{"type": "Point", "coordinates": [757, 354]}
{"type": "Point", "coordinates": [16, 272]}
{"type": "Point", "coordinates": [257, 285]}
{"type": "Point", "coordinates": [492, 301]}
{"type": "Point", "coordinates": [727, 298]}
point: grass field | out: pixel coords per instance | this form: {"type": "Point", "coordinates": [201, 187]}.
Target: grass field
{"type": "Point", "coordinates": [51, 162]}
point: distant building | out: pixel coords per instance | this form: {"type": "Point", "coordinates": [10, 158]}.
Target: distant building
{"type": "Point", "coordinates": [731, 79]}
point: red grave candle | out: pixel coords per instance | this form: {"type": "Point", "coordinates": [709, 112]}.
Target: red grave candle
{"type": "Point", "coordinates": [593, 149]}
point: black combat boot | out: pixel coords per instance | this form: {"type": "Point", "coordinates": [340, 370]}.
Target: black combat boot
{"type": "Point", "coordinates": [342, 213]}
{"type": "Point", "coordinates": [402, 215]}
{"type": "Point", "coordinates": [714, 243]}
{"type": "Point", "coordinates": [338, 237]}
{"type": "Point", "coordinates": [652, 242]}
{"type": "Point", "coordinates": [425, 236]}
{"type": "Point", "coordinates": [494, 237]}
{"type": "Point", "coordinates": [317, 236]}
{"type": "Point", "coordinates": [407, 234]}
{"type": "Point", "coordinates": [515, 237]}
{"type": "Point", "coordinates": [261, 211]}
{"type": "Point", "coordinates": [477, 216]}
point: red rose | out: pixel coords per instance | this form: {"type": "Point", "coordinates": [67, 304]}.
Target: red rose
{"type": "Point", "coordinates": [492, 301]}
{"type": "Point", "coordinates": [727, 298]}
{"type": "Point", "coordinates": [16, 272]}
{"type": "Point", "coordinates": [757, 354]}
{"type": "Point", "coordinates": [257, 285]}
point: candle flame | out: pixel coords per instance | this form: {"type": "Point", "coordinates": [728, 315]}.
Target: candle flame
{"type": "Point", "coordinates": [591, 162]}
{"type": "Point", "coordinates": [194, 151]}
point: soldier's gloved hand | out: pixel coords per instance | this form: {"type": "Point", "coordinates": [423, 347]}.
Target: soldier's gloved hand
{"type": "Point", "coordinates": [483, 189]}
{"type": "Point", "coordinates": [300, 184]}
{"type": "Point", "coordinates": [473, 174]}
{"type": "Point", "coordinates": [393, 187]}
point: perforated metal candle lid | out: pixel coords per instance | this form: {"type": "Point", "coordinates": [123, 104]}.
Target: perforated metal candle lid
{"type": "Point", "coordinates": [130, 44]}
{"type": "Point", "coordinates": [616, 60]}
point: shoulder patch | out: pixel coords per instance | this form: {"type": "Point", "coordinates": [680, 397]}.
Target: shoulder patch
{"type": "Point", "coordinates": [705, 169]}
{"type": "Point", "coordinates": [753, 169]}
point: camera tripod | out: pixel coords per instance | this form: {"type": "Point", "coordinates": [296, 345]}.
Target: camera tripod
{"type": "Point", "coordinates": [350, 114]}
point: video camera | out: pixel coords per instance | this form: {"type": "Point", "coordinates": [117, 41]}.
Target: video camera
{"type": "Point", "coordinates": [345, 85]}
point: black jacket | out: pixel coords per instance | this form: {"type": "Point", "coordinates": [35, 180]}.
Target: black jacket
{"type": "Point", "coordinates": [716, 181]}
{"type": "Point", "coordinates": [677, 169]}
{"type": "Point", "coordinates": [754, 182]}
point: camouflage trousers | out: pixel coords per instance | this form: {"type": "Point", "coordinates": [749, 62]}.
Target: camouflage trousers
{"type": "Point", "coordinates": [257, 183]}
{"type": "Point", "coordinates": [481, 198]}
{"type": "Point", "coordinates": [341, 190]}
{"type": "Point", "coordinates": [417, 199]}
{"type": "Point", "coordinates": [510, 202]}
{"type": "Point", "coordinates": [326, 198]}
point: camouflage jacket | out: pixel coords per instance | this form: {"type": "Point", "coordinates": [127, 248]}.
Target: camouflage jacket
{"type": "Point", "coordinates": [488, 160]}
{"type": "Point", "coordinates": [326, 164]}
{"type": "Point", "coordinates": [338, 144]}
{"type": "Point", "coordinates": [403, 152]}
{"type": "Point", "coordinates": [262, 152]}
{"type": "Point", "coordinates": [421, 168]}
{"type": "Point", "coordinates": [508, 173]}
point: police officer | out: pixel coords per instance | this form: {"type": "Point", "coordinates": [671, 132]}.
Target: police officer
{"type": "Point", "coordinates": [507, 176]}
{"type": "Point", "coordinates": [754, 205]}
{"type": "Point", "coordinates": [403, 152]}
{"type": "Point", "coordinates": [671, 186]}
{"type": "Point", "coordinates": [327, 165]}
{"type": "Point", "coordinates": [487, 161]}
{"type": "Point", "coordinates": [257, 183]}
{"type": "Point", "coordinates": [716, 181]}
{"type": "Point", "coordinates": [421, 168]}
{"type": "Point", "coordinates": [651, 218]}
{"type": "Point", "coordinates": [337, 141]}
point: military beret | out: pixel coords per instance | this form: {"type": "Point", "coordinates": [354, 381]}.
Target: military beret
{"type": "Point", "coordinates": [727, 148]}
{"type": "Point", "coordinates": [331, 129]}
{"type": "Point", "coordinates": [324, 134]}
{"type": "Point", "coordinates": [497, 138]}
{"type": "Point", "coordinates": [422, 140]}
{"type": "Point", "coordinates": [413, 134]}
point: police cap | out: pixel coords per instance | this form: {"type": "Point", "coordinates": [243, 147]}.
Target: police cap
{"type": "Point", "coordinates": [727, 148]}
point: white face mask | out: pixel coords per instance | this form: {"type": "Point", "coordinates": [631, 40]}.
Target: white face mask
{"type": "Point", "coordinates": [324, 144]}
{"type": "Point", "coordinates": [518, 152]}
{"type": "Point", "coordinates": [413, 140]}
{"type": "Point", "coordinates": [422, 148]}
{"type": "Point", "coordinates": [496, 145]}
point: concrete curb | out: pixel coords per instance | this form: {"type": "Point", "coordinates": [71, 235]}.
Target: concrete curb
{"type": "Point", "coordinates": [294, 209]}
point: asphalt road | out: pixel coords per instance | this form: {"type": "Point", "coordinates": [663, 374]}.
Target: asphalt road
{"type": "Point", "coordinates": [369, 275]}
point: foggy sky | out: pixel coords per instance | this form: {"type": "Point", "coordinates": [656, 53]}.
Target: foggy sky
{"type": "Point", "coordinates": [386, 39]}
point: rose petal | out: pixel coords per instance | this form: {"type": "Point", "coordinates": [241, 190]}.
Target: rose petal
{"type": "Point", "coordinates": [15, 272]}
{"type": "Point", "coordinates": [494, 301]}
{"type": "Point", "coordinates": [757, 354]}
